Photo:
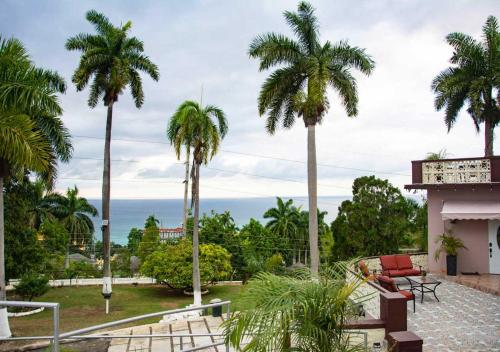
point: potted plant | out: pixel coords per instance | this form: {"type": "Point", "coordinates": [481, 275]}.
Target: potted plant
{"type": "Point", "coordinates": [450, 245]}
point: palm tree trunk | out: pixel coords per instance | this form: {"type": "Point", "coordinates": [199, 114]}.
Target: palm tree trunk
{"type": "Point", "coordinates": [186, 191]}
{"type": "Point", "coordinates": [488, 137]}
{"type": "Point", "coordinates": [312, 180]}
{"type": "Point", "coordinates": [196, 264]}
{"type": "Point", "coordinates": [106, 192]}
{"type": "Point", "coordinates": [4, 320]}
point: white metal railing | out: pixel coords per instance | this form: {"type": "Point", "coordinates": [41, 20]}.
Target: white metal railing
{"type": "Point", "coordinates": [456, 171]}
{"type": "Point", "coordinates": [79, 333]}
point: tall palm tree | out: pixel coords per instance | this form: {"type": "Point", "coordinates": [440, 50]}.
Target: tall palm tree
{"type": "Point", "coordinates": [113, 61]}
{"type": "Point", "coordinates": [74, 212]}
{"type": "Point", "coordinates": [298, 88]}
{"type": "Point", "coordinates": [204, 128]}
{"type": "Point", "coordinates": [473, 80]}
{"type": "Point", "coordinates": [284, 222]}
{"type": "Point", "coordinates": [180, 120]}
{"type": "Point", "coordinates": [33, 137]}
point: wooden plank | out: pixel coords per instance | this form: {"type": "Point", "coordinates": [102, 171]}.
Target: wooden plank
{"type": "Point", "coordinates": [190, 331]}
{"type": "Point", "coordinates": [151, 339]}
{"type": "Point", "coordinates": [171, 338]}
{"type": "Point", "coordinates": [129, 341]}
{"type": "Point", "coordinates": [209, 331]}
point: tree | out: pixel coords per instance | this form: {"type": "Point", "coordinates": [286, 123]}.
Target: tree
{"type": "Point", "coordinates": [113, 61]}
{"type": "Point", "coordinates": [204, 128]}
{"type": "Point", "coordinates": [151, 221]}
{"type": "Point", "coordinates": [173, 265]}
{"type": "Point", "coordinates": [134, 239]}
{"type": "Point", "coordinates": [33, 137]}
{"type": "Point", "coordinates": [473, 80]}
{"type": "Point", "coordinates": [74, 212]}
{"type": "Point", "coordinates": [149, 243]}
{"type": "Point", "coordinates": [284, 223]}
{"type": "Point", "coordinates": [311, 312]}
{"type": "Point", "coordinates": [298, 89]}
{"type": "Point", "coordinates": [179, 125]}
{"type": "Point", "coordinates": [373, 222]}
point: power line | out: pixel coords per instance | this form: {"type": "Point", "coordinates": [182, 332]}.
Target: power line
{"type": "Point", "coordinates": [251, 155]}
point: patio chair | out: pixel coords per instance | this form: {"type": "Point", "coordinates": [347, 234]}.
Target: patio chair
{"type": "Point", "coordinates": [398, 265]}
{"type": "Point", "coordinates": [390, 285]}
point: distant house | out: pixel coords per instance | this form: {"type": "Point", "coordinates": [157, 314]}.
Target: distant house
{"type": "Point", "coordinates": [77, 257]}
{"type": "Point", "coordinates": [167, 234]}
{"type": "Point", "coordinates": [463, 197]}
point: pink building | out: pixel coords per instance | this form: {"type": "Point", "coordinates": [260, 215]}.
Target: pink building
{"type": "Point", "coordinates": [463, 197]}
{"type": "Point", "coordinates": [167, 234]}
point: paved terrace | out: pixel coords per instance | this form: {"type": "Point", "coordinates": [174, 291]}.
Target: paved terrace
{"type": "Point", "coordinates": [465, 319]}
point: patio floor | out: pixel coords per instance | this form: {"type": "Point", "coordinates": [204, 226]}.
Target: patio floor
{"type": "Point", "coordinates": [465, 319]}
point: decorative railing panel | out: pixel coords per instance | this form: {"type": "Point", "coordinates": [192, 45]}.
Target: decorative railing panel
{"type": "Point", "coordinates": [456, 171]}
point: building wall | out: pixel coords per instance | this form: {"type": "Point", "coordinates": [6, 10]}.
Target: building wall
{"type": "Point", "coordinates": [474, 233]}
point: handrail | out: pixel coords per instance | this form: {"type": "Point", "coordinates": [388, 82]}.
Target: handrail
{"type": "Point", "coordinates": [79, 333]}
{"type": "Point", "coordinates": [55, 310]}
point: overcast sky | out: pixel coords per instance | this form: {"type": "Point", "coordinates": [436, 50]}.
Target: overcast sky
{"type": "Point", "coordinates": [197, 43]}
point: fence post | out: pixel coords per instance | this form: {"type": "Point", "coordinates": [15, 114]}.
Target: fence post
{"type": "Point", "coordinates": [55, 342]}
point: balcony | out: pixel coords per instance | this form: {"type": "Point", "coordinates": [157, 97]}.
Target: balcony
{"type": "Point", "coordinates": [455, 172]}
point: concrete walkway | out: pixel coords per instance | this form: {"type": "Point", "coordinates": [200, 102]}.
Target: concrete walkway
{"type": "Point", "coordinates": [465, 319]}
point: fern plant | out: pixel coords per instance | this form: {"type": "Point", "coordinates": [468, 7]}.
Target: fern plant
{"type": "Point", "coordinates": [449, 244]}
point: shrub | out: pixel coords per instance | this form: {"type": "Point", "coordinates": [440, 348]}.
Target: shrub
{"type": "Point", "coordinates": [275, 264]}
{"type": "Point", "coordinates": [173, 264]}
{"type": "Point", "coordinates": [32, 285]}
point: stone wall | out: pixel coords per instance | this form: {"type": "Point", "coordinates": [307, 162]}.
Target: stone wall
{"type": "Point", "coordinates": [373, 263]}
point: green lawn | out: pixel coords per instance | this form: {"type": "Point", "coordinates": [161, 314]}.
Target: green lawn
{"type": "Point", "coordinates": [84, 306]}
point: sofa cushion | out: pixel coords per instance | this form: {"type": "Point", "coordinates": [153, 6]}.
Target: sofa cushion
{"type": "Point", "coordinates": [396, 273]}
{"type": "Point", "coordinates": [407, 294]}
{"type": "Point", "coordinates": [404, 261]}
{"type": "Point", "coordinates": [388, 262]}
{"type": "Point", "coordinates": [387, 283]}
{"type": "Point", "coordinates": [411, 272]}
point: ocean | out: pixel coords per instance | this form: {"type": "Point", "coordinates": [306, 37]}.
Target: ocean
{"type": "Point", "coordinates": [129, 213]}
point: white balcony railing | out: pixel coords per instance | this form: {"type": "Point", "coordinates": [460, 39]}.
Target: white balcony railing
{"type": "Point", "coordinates": [456, 171]}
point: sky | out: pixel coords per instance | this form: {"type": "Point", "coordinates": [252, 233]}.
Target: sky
{"type": "Point", "coordinates": [205, 44]}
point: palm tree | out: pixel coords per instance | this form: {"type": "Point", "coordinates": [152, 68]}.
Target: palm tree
{"type": "Point", "coordinates": [204, 128]}
{"type": "Point", "coordinates": [298, 88]}
{"type": "Point", "coordinates": [74, 213]}
{"type": "Point", "coordinates": [473, 80]}
{"type": "Point", "coordinates": [295, 314]}
{"type": "Point", "coordinates": [113, 61]}
{"type": "Point", "coordinates": [180, 120]}
{"type": "Point", "coordinates": [33, 137]}
{"type": "Point", "coordinates": [284, 222]}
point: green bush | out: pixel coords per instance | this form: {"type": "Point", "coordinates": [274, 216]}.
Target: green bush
{"type": "Point", "coordinates": [82, 269]}
{"type": "Point", "coordinates": [173, 264]}
{"type": "Point", "coordinates": [275, 264]}
{"type": "Point", "coordinates": [32, 285]}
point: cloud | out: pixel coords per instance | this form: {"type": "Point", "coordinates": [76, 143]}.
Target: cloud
{"type": "Point", "coordinates": [205, 43]}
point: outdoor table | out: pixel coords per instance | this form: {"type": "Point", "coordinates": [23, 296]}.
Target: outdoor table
{"type": "Point", "coordinates": [423, 284]}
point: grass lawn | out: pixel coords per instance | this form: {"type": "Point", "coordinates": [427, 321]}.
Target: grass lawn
{"type": "Point", "coordinates": [84, 306]}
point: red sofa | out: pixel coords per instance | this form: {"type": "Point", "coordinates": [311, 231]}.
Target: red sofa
{"type": "Point", "coordinates": [398, 265]}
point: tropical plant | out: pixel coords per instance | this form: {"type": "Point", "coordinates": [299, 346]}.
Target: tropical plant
{"type": "Point", "coordinates": [284, 222]}
{"type": "Point", "coordinates": [173, 266]}
{"type": "Point", "coordinates": [441, 154]}
{"type": "Point", "coordinates": [473, 80]}
{"type": "Point", "coordinates": [75, 214]}
{"type": "Point", "coordinates": [448, 244]}
{"type": "Point", "coordinates": [204, 128]}
{"type": "Point", "coordinates": [151, 221]}
{"type": "Point", "coordinates": [295, 314]}
{"type": "Point", "coordinates": [180, 120]}
{"type": "Point", "coordinates": [298, 89]}
{"type": "Point", "coordinates": [373, 222]}
{"type": "Point", "coordinates": [32, 285]}
{"type": "Point", "coordinates": [33, 137]}
{"type": "Point", "coordinates": [112, 60]}
{"type": "Point", "coordinates": [149, 243]}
